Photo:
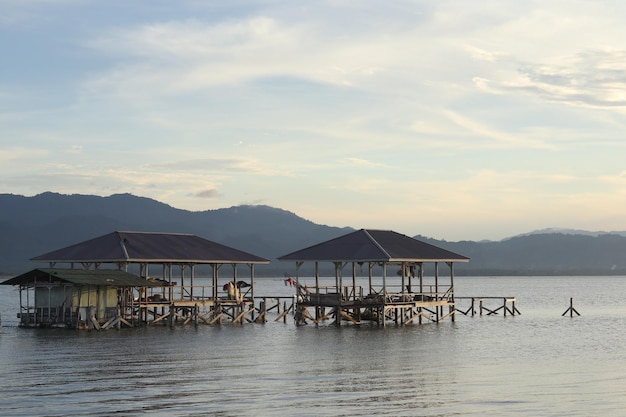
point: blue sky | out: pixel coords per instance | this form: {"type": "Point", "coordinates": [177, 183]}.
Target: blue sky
{"type": "Point", "coordinates": [449, 119]}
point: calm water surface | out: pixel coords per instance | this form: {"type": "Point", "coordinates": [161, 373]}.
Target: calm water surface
{"type": "Point", "coordinates": [535, 364]}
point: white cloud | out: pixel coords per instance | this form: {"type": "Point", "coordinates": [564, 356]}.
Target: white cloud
{"type": "Point", "coordinates": [502, 138]}
{"type": "Point", "coordinates": [428, 114]}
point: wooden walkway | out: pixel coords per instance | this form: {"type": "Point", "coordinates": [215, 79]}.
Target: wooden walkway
{"type": "Point", "coordinates": [399, 309]}
{"type": "Point", "coordinates": [210, 311]}
{"type": "Point", "coordinates": [504, 304]}
{"type": "Point", "coordinates": [317, 309]}
{"type": "Point", "coordinates": [304, 308]}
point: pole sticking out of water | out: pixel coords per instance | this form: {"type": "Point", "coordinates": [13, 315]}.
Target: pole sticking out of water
{"type": "Point", "coordinates": [571, 310]}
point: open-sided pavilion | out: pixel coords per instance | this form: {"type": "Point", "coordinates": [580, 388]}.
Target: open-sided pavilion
{"type": "Point", "coordinates": [402, 296]}
{"type": "Point", "coordinates": [170, 259]}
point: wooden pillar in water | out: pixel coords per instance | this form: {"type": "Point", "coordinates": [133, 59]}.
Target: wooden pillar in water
{"type": "Point", "coordinates": [437, 308]}
{"type": "Point", "coordinates": [192, 276]}
{"type": "Point", "coordinates": [451, 264]}
{"type": "Point", "coordinates": [182, 281]}
{"type": "Point", "coordinates": [353, 281]}
{"type": "Point", "coordinates": [571, 309]}
{"type": "Point", "coordinates": [317, 289]}
{"type": "Point", "coordinates": [383, 318]}
{"type": "Point", "coordinates": [284, 311]}
{"type": "Point", "coordinates": [339, 283]}
{"type": "Point", "coordinates": [252, 289]}
{"type": "Point", "coordinates": [421, 276]}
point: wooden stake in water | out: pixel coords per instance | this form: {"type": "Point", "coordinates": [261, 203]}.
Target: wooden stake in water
{"type": "Point", "coordinates": [571, 309]}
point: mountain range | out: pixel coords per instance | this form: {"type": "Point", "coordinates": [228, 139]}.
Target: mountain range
{"type": "Point", "coordinates": [31, 226]}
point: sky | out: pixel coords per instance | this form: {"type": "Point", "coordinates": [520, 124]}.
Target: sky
{"type": "Point", "coordinates": [456, 120]}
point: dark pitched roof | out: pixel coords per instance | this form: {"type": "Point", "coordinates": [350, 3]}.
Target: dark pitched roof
{"type": "Point", "coordinates": [374, 245]}
{"type": "Point", "coordinates": [98, 277]}
{"type": "Point", "coordinates": [149, 247]}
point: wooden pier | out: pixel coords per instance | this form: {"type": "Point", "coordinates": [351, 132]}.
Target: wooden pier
{"type": "Point", "coordinates": [171, 305]}
{"type": "Point", "coordinates": [215, 311]}
{"type": "Point", "coordinates": [399, 308]}
{"type": "Point", "coordinates": [404, 293]}
{"type": "Point", "coordinates": [504, 304]}
{"type": "Point", "coordinates": [379, 277]}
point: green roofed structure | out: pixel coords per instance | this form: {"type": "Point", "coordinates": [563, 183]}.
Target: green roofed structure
{"type": "Point", "coordinates": [77, 297]}
{"type": "Point", "coordinates": [164, 289]}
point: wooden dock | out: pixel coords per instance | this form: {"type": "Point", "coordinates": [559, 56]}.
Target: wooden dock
{"type": "Point", "coordinates": [212, 311]}
{"type": "Point", "coordinates": [380, 276]}
{"type": "Point", "coordinates": [504, 304]}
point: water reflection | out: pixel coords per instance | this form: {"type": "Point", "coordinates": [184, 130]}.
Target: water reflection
{"type": "Point", "coordinates": [533, 364]}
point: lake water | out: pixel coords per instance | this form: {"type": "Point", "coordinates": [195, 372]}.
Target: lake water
{"type": "Point", "coordinates": [535, 364]}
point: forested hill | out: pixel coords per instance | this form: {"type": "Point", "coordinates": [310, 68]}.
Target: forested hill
{"type": "Point", "coordinates": [31, 226]}
{"type": "Point", "coordinates": [543, 254]}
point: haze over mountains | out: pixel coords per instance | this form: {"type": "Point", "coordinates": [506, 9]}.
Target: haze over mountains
{"type": "Point", "coordinates": [30, 226]}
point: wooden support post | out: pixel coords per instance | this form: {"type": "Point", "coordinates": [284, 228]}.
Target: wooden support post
{"type": "Point", "coordinates": [262, 312]}
{"type": "Point", "coordinates": [349, 317]}
{"type": "Point", "coordinates": [571, 309]}
{"type": "Point", "coordinates": [239, 319]}
{"type": "Point", "coordinates": [283, 315]}
{"type": "Point", "coordinates": [217, 319]}
{"type": "Point", "coordinates": [338, 312]}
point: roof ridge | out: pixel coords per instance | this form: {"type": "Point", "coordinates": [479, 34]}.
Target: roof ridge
{"type": "Point", "coordinates": [376, 243]}
{"type": "Point", "coordinates": [123, 244]}
{"type": "Point", "coordinates": [139, 232]}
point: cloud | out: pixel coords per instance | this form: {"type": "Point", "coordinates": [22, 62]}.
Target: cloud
{"type": "Point", "coordinates": [502, 138]}
{"type": "Point", "coordinates": [594, 78]}
{"type": "Point", "coordinates": [181, 56]}
{"type": "Point", "coordinates": [211, 193]}
{"type": "Point", "coordinates": [362, 162]}
{"type": "Point", "coordinates": [217, 165]}
{"type": "Point", "coordinates": [410, 112]}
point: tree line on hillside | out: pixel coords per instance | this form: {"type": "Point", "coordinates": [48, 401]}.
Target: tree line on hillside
{"type": "Point", "coordinates": [31, 226]}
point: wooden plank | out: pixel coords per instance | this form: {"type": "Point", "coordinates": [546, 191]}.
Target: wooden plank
{"type": "Point", "coordinates": [158, 319]}
{"type": "Point", "coordinates": [446, 316]}
{"type": "Point", "coordinates": [112, 322]}
{"type": "Point", "coordinates": [349, 317]}
{"type": "Point", "coordinates": [261, 317]}
{"type": "Point", "coordinates": [242, 315]}
{"type": "Point", "coordinates": [216, 318]}
{"type": "Point", "coordinates": [125, 322]}
{"type": "Point", "coordinates": [284, 313]}
{"type": "Point", "coordinates": [324, 317]}
{"type": "Point", "coordinates": [95, 323]}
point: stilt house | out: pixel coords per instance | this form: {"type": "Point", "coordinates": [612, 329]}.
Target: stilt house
{"type": "Point", "coordinates": [77, 298]}
{"type": "Point", "coordinates": [385, 279]}
{"type": "Point", "coordinates": [166, 287]}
